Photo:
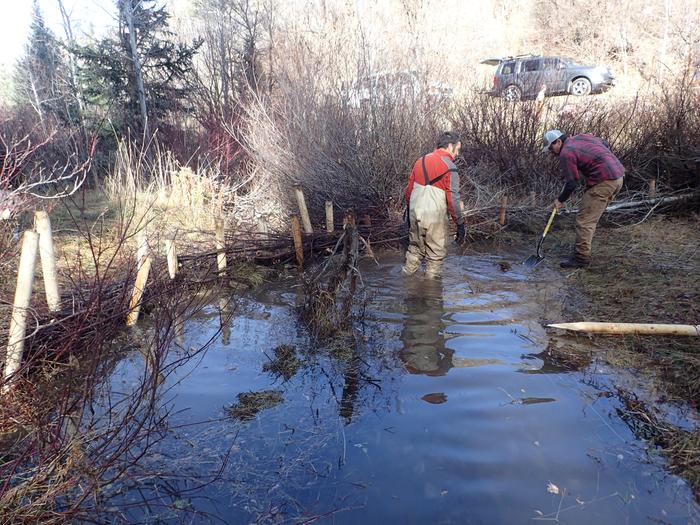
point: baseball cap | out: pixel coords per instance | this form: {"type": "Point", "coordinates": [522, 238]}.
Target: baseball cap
{"type": "Point", "coordinates": [551, 136]}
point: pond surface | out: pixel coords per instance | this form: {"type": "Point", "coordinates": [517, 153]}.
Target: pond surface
{"type": "Point", "coordinates": [445, 413]}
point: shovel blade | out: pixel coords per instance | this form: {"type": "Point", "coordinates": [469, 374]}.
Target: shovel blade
{"type": "Point", "coordinates": [533, 261]}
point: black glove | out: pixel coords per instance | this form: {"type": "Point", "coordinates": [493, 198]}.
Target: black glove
{"type": "Point", "coordinates": [461, 233]}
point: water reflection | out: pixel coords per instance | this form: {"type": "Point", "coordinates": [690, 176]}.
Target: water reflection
{"type": "Point", "coordinates": [225, 319]}
{"type": "Point", "coordinates": [423, 337]}
{"type": "Point", "coordinates": [351, 387]}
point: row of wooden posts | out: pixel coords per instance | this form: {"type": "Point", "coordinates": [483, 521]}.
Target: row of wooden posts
{"type": "Point", "coordinates": [35, 241]}
{"type": "Point", "coordinates": [39, 241]}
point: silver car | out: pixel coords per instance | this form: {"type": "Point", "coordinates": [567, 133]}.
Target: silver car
{"type": "Point", "coordinates": [524, 76]}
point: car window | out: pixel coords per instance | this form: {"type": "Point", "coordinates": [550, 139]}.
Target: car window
{"type": "Point", "coordinates": [551, 64]}
{"type": "Point", "coordinates": [531, 65]}
{"type": "Point", "coordinates": [508, 68]}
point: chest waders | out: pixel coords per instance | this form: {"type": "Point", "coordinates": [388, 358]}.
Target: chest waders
{"type": "Point", "coordinates": [427, 236]}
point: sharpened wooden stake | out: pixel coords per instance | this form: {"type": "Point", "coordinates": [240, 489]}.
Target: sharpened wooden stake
{"type": "Point", "coordinates": [48, 260]}
{"type": "Point", "coordinates": [303, 210]}
{"type": "Point", "coordinates": [171, 253]}
{"type": "Point", "coordinates": [23, 294]}
{"type": "Point", "coordinates": [296, 235]}
{"type": "Point", "coordinates": [142, 250]}
{"type": "Point", "coordinates": [144, 267]}
{"type": "Point", "coordinates": [220, 246]}
{"type": "Point", "coordinates": [329, 217]}
{"type": "Point", "coordinates": [502, 212]}
{"type": "Point", "coordinates": [652, 188]}
{"type": "Point", "coordinates": [630, 328]}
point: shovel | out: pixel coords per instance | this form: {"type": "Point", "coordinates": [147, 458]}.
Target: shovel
{"type": "Point", "coordinates": [534, 260]}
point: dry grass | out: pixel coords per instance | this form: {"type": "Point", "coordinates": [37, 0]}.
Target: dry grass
{"type": "Point", "coordinates": [648, 273]}
{"type": "Point", "coordinates": [162, 195]}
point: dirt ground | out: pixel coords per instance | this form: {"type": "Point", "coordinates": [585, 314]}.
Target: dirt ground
{"type": "Point", "coordinates": [645, 273]}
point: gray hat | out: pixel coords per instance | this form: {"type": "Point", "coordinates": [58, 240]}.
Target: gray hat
{"type": "Point", "coordinates": [551, 136]}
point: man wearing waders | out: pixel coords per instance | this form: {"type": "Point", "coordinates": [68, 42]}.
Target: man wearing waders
{"type": "Point", "coordinates": [585, 159]}
{"type": "Point", "coordinates": [432, 193]}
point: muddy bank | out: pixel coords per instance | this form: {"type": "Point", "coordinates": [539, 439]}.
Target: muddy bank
{"type": "Point", "coordinates": [648, 272]}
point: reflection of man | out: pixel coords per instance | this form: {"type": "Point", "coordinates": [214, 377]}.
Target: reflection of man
{"type": "Point", "coordinates": [433, 193]}
{"type": "Point", "coordinates": [423, 337]}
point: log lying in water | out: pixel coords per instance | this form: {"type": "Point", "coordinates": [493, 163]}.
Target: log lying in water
{"type": "Point", "coordinates": [631, 328]}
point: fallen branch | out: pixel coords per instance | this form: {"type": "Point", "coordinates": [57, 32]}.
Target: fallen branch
{"type": "Point", "coordinates": [644, 203]}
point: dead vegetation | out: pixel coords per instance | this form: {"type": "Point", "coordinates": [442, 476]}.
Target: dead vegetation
{"type": "Point", "coordinates": [250, 403]}
{"type": "Point", "coordinates": [646, 272]}
{"type": "Point", "coordinates": [331, 290]}
{"type": "Point", "coordinates": [285, 363]}
{"type": "Point", "coordinates": [681, 447]}
{"type": "Point", "coordinates": [640, 276]}
{"type": "Point", "coordinates": [69, 441]}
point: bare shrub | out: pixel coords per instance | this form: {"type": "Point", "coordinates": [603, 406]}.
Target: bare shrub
{"type": "Point", "coordinates": [357, 157]}
{"type": "Point", "coordinates": [74, 447]}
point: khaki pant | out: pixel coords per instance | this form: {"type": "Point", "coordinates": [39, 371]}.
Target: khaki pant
{"type": "Point", "coordinates": [593, 204]}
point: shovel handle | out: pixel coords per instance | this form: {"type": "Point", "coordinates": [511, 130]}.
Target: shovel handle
{"type": "Point", "coordinates": [549, 222]}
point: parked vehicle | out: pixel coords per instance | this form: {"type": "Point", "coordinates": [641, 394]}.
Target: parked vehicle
{"type": "Point", "coordinates": [524, 76]}
{"type": "Point", "coordinates": [399, 85]}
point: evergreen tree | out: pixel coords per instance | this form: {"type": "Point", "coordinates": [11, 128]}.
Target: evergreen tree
{"type": "Point", "coordinates": [40, 74]}
{"type": "Point", "coordinates": [140, 74]}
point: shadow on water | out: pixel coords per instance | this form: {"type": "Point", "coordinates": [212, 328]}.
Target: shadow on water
{"type": "Point", "coordinates": [443, 407]}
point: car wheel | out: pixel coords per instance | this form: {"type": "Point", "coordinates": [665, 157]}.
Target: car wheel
{"type": "Point", "coordinates": [580, 87]}
{"type": "Point", "coordinates": [512, 93]}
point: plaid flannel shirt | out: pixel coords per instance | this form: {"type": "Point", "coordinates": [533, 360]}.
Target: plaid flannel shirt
{"type": "Point", "coordinates": [589, 158]}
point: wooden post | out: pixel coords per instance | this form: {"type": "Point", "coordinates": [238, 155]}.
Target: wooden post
{"type": "Point", "coordinates": [171, 253]}
{"type": "Point", "coordinates": [23, 294]}
{"type": "Point", "coordinates": [296, 235]}
{"type": "Point", "coordinates": [144, 267]}
{"type": "Point", "coordinates": [262, 226]}
{"type": "Point", "coordinates": [303, 210]}
{"type": "Point", "coordinates": [142, 250]}
{"type": "Point", "coordinates": [502, 213]}
{"type": "Point", "coordinates": [329, 217]}
{"type": "Point", "coordinates": [652, 188]}
{"type": "Point", "coordinates": [220, 246]}
{"type": "Point", "coordinates": [48, 260]}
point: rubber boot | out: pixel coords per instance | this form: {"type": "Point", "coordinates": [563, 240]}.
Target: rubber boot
{"type": "Point", "coordinates": [575, 262]}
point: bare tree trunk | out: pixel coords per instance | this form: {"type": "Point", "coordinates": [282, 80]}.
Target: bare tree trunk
{"type": "Point", "coordinates": [68, 29]}
{"type": "Point", "coordinates": [76, 92]}
{"type": "Point", "coordinates": [37, 100]}
{"type": "Point", "coordinates": [128, 14]}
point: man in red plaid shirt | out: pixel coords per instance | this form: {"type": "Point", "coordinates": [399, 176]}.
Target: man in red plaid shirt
{"type": "Point", "coordinates": [585, 159]}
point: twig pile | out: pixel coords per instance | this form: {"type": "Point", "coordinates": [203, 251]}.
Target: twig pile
{"type": "Point", "coordinates": [331, 291]}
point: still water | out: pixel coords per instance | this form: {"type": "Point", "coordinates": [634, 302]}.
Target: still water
{"type": "Point", "coordinates": [445, 413]}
